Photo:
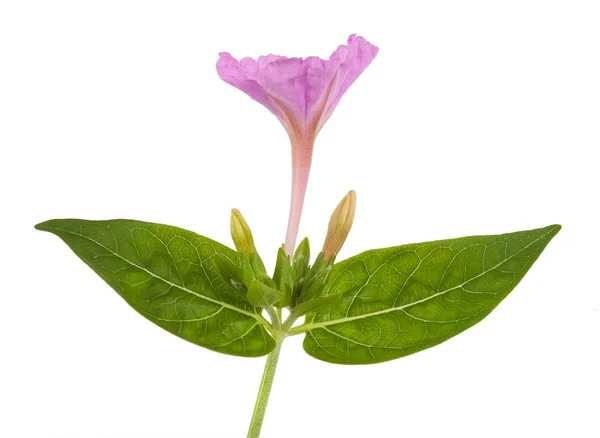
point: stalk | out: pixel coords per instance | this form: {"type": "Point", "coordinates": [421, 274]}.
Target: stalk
{"type": "Point", "coordinates": [265, 388]}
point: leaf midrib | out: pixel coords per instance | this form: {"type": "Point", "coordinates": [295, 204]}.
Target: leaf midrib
{"type": "Point", "coordinates": [311, 326]}
{"type": "Point", "coordinates": [259, 318]}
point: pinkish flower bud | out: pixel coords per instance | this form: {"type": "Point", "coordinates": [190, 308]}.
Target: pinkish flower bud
{"type": "Point", "coordinates": [339, 226]}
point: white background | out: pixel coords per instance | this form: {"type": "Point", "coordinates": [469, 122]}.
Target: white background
{"type": "Point", "coordinates": [475, 118]}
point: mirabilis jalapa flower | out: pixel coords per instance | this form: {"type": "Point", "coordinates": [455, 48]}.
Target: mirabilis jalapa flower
{"type": "Point", "coordinates": [220, 299]}
{"type": "Point", "coordinates": [302, 93]}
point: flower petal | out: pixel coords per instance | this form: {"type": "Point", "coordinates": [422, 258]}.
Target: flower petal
{"type": "Point", "coordinates": [320, 83]}
{"type": "Point", "coordinates": [284, 80]}
{"type": "Point", "coordinates": [243, 76]}
{"type": "Point", "coordinates": [301, 93]}
{"type": "Point", "coordinates": [351, 60]}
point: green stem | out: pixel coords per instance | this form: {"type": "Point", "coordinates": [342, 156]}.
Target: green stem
{"type": "Point", "coordinates": [265, 388]}
{"type": "Point", "coordinates": [275, 320]}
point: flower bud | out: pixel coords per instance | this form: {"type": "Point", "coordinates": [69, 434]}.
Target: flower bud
{"type": "Point", "coordinates": [339, 226]}
{"type": "Point", "coordinates": [241, 234]}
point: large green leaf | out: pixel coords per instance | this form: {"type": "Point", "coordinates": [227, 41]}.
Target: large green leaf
{"type": "Point", "coordinates": [169, 275]}
{"type": "Point", "coordinates": [401, 300]}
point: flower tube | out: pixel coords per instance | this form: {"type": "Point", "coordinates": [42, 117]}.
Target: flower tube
{"type": "Point", "coordinates": [302, 94]}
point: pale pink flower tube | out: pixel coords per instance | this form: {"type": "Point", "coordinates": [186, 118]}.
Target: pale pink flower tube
{"type": "Point", "coordinates": [302, 93]}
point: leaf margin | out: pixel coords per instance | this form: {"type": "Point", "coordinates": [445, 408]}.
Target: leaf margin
{"type": "Point", "coordinates": [47, 226]}
{"type": "Point", "coordinates": [308, 327]}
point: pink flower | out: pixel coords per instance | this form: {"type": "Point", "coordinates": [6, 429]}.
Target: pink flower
{"type": "Point", "coordinates": [302, 93]}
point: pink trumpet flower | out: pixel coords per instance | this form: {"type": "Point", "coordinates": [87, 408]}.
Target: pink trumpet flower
{"type": "Point", "coordinates": [302, 93]}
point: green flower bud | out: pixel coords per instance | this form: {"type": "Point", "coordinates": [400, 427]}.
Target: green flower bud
{"type": "Point", "coordinates": [241, 234]}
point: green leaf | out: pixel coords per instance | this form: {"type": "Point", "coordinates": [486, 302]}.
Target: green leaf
{"type": "Point", "coordinates": [170, 277]}
{"type": "Point", "coordinates": [261, 295]}
{"type": "Point", "coordinates": [282, 278]}
{"type": "Point", "coordinates": [401, 300]}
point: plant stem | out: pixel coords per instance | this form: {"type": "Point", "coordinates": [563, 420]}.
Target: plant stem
{"type": "Point", "coordinates": [265, 388]}
{"type": "Point", "coordinates": [275, 320]}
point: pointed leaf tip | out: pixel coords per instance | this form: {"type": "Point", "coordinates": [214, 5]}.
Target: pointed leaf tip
{"type": "Point", "coordinates": [43, 226]}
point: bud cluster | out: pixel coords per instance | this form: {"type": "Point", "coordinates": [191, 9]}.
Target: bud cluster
{"type": "Point", "coordinates": [295, 283]}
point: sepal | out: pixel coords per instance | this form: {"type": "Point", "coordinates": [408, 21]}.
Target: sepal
{"type": "Point", "coordinates": [316, 279]}
{"type": "Point", "coordinates": [316, 305]}
{"type": "Point", "coordinates": [231, 272]}
{"type": "Point", "coordinates": [282, 278]}
{"type": "Point", "coordinates": [261, 295]}
{"type": "Point", "coordinates": [301, 260]}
